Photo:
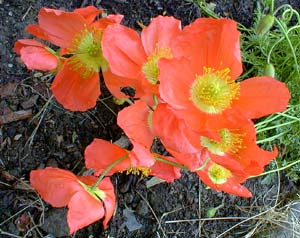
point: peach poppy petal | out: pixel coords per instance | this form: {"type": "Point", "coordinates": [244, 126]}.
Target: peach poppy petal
{"type": "Point", "coordinates": [160, 33]}
{"type": "Point", "coordinates": [261, 96]}
{"type": "Point", "coordinates": [73, 91]}
{"type": "Point", "coordinates": [61, 27]}
{"type": "Point", "coordinates": [109, 200]}
{"type": "Point", "coordinates": [89, 13]}
{"type": "Point", "coordinates": [122, 47]}
{"type": "Point", "coordinates": [56, 186]}
{"type": "Point", "coordinates": [134, 120]}
{"type": "Point", "coordinates": [84, 209]}
{"type": "Point", "coordinates": [37, 31]}
{"type": "Point", "coordinates": [100, 154]}
{"type": "Point", "coordinates": [38, 58]}
{"type": "Point", "coordinates": [173, 132]}
{"type": "Point", "coordinates": [26, 42]}
{"type": "Point", "coordinates": [108, 20]}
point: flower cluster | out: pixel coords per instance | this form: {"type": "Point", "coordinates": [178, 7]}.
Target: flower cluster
{"type": "Point", "coordinates": [183, 89]}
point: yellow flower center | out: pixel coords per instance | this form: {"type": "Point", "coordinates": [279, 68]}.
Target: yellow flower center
{"type": "Point", "coordinates": [150, 68]}
{"type": "Point", "coordinates": [230, 143]}
{"type": "Point", "coordinates": [87, 52]}
{"type": "Point", "coordinates": [218, 174]}
{"type": "Point", "coordinates": [214, 91]}
{"type": "Point", "coordinates": [144, 171]}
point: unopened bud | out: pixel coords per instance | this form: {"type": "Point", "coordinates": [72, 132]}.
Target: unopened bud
{"type": "Point", "coordinates": [269, 70]}
{"type": "Point", "coordinates": [265, 24]}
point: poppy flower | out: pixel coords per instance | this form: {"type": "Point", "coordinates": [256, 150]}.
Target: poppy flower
{"type": "Point", "coordinates": [235, 147]}
{"type": "Point", "coordinates": [86, 204]}
{"type": "Point", "coordinates": [221, 179]}
{"type": "Point", "coordinates": [135, 57]}
{"type": "Point", "coordinates": [100, 154]}
{"type": "Point", "coordinates": [76, 85]}
{"type": "Point", "coordinates": [201, 87]}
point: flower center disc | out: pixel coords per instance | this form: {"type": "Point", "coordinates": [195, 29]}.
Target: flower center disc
{"type": "Point", "coordinates": [87, 52]}
{"type": "Point", "coordinates": [150, 68]}
{"type": "Point", "coordinates": [230, 143]}
{"type": "Point", "coordinates": [214, 91]}
{"type": "Point", "coordinates": [218, 174]}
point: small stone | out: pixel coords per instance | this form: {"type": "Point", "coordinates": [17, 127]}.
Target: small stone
{"type": "Point", "coordinates": [10, 13]}
{"type": "Point", "coordinates": [17, 137]}
{"type": "Point", "coordinates": [142, 208]}
{"type": "Point", "coordinates": [10, 65]}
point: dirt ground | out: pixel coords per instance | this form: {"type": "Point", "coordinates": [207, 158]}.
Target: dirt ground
{"type": "Point", "coordinates": [35, 132]}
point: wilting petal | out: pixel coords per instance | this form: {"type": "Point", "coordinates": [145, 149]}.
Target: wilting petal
{"type": "Point", "coordinates": [160, 33]}
{"type": "Point", "coordinates": [135, 120]}
{"type": "Point", "coordinates": [115, 83]}
{"type": "Point", "coordinates": [75, 91]}
{"type": "Point", "coordinates": [56, 186]}
{"type": "Point", "coordinates": [84, 209]}
{"type": "Point", "coordinates": [261, 96]}
{"type": "Point", "coordinates": [100, 154]}
{"type": "Point", "coordinates": [165, 171]}
{"type": "Point", "coordinates": [122, 47]}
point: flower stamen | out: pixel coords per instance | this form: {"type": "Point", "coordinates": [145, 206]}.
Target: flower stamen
{"type": "Point", "coordinates": [214, 91]}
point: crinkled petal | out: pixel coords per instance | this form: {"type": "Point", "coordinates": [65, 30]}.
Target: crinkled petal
{"type": "Point", "coordinates": [75, 91]}
{"type": "Point", "coordinates": [219, 48]}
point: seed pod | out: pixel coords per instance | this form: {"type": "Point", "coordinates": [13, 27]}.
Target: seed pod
{"type": "Point", "coordinates": [265, 24]}
{"type": "Point", "coordinates": [269, 70]}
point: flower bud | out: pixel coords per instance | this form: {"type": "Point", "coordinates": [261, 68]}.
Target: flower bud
{"type": "Point", "coordinates": [269, 70]}
{"type": "Point", "coordinates": [265, 24]}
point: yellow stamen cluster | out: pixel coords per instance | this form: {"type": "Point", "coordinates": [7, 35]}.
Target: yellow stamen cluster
{"type": "Point", "coordinates": [150, 68]}
{"type": "Point", "coordinates": [230, 143]}
{"type": "Point", "coordinates": [214, 91]}
{"type": "Point", "coordinates": [144, 171]}
{"type": "Point", "coordinates": [218, 174]}
{"type": "Point", "coordinates": [87, 52]}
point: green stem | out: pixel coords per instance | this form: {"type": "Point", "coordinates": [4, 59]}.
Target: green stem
{"type": "Point", "coordinates": [276, 126]}
{"type": "Point", "coordinates": [170, 163]}
{"type": "Point", "coordinates": [103, 174]}
{"type": "Point", "coordinates": [272, 7]}
{"type": "Point", "coordinates": [277, 170]}
{"type": "Point", "coordinates": [204, 164]}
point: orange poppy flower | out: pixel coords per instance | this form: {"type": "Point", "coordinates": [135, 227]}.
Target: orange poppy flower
{"type": "Point", "coordinates": [86, 204]}
{"type": "Point", "coordinates": [135, 57]}
{"type": "Point", "coordinates": [76, 85]}
{"type": "Point", "coordinates": [235, 147]}
{"type": "Point", "coordinates": [201, 87]}
{"type": "Point", "coordinates": [221, 179]}
{"type": "Point", "coordinates": [100, 154]}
